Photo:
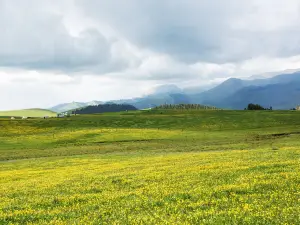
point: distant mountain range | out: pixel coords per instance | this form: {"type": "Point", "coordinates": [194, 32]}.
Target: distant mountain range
{"type": "Point", "coordinates": [280, 91]}
{"type": "Point", "coordinates": [279, 96]}
{"type": "Point", "coordinates": [73, 105]}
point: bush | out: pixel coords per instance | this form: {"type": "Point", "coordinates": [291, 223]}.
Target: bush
{"type": "Point", "coordinates": [255, 107]}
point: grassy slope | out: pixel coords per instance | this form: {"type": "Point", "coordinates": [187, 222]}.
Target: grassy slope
{"type": "Point", "coordinates": [27, 113]}
{"type": "Point", "coordinates": [152, 167]}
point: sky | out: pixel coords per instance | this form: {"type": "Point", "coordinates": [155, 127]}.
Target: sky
{"type": "Point", "coordinates": [58, 51]}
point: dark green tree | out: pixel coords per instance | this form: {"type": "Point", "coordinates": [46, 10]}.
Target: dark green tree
{"type": "Point", "coordinates": [252, 106]}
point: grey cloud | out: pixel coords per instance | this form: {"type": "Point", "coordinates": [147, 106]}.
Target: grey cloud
{"type": "Point", "coordinates": [138, 43]}
{"type": "Point", "coordinates": [193, 30]}
{"type": "Point", "coordinates": [34, 37]}
{"type": "Point", "coordinates": [187, 30]}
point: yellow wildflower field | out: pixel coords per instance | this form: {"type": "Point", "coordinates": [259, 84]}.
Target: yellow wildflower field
{"type": "Point", "coordinates": [142, 174]}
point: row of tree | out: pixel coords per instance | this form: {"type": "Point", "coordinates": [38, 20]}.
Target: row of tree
{"type": "Point", "coordinates": [252, 106]}
{"type": "Point", "coordinates": [104, 108]}
{"type": "Point", "coordinates": [185, 106]}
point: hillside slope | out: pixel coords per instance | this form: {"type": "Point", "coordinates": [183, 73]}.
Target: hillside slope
{"type": "Point", "coordinates": [28, 113]}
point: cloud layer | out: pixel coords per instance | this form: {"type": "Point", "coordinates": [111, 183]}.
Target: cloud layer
{"type": "Point", "coordinates": [70, 45]}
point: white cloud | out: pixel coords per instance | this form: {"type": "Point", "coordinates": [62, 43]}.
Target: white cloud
{"type": "Point", "coordinates": [263, 64]}
{"type": "Point", "coordinates": [21, 89]}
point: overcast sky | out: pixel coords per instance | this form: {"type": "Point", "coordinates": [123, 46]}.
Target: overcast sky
{"type": "Point", "coordinates": [81, 50]}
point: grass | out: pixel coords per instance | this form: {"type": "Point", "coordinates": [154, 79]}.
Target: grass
{"type": "Point", "coordinates": [27, 113]}
{"type": "Point", "coordinates": [152, 167]}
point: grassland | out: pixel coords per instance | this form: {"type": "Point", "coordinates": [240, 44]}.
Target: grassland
{"type": "Point", "coordinates": [27, 113]}
{"type": "Point", "coordinates": [152, 167]}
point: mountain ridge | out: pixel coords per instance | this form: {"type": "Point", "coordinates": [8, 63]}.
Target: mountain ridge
{"type": "Point", "coordinates": [219, 96]}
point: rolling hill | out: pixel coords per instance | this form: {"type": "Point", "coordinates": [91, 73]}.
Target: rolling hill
{"type": "Point", "coordinates": [28, 113]}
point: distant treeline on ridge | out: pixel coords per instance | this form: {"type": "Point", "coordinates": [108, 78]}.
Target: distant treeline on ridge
{"type": "Point", "coordinates": [104, 108]}
{"type": "Point", "coordinates": [185, 106]}
{"type": "Point", "coordinates": [252, 106]}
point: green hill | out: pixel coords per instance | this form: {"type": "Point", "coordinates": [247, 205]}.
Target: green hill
{"type": "Point", "coordinates": [28, 113]}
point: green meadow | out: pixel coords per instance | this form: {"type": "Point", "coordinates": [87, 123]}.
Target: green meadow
{"type": "Point", "coordinates": [28, 113]}
{"type": "Point", "coordinates": [152, 167]}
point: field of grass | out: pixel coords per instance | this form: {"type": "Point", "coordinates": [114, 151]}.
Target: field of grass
{"type": "Point", "coordinates": [28, 113]}
{"type": "Point", "coordinates": [152, 167]}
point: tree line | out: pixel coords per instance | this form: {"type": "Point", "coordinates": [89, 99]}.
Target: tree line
{"type": "Point", "coordinates": [252, 106]}
{"type": "Point", "coordinates": [184, 106]}
{"type": "Point", "coordinates": [104, 108]}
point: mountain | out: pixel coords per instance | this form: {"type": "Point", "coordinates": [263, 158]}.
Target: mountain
{"type": "Point", "coordinates": [94, 103]}
{"type": "Point", "coordinates": [73, 105]}
{"type": "Point", "coordinates": [279, 96]}
{"type": "Point", "coordinates": [198, 89]}
{"type": "Point", "coordinates": [155, 100]}
{"type": "Point", "coordinates": [164, 89]}
{"type": "Point", "coordinates": [220, 95]}
{"type": "Point", "coordinates": [159, 95]}
{"type": "Point", "coordinates": [272, 74]}
{"type": "Point", "coordinates": [285, 78]}
{"type": "Point", "coordinates": [232, 93]}
{"type": "Point", "coordinates": [226, 88]}
{"type": "Point", "coordinates": [148, 101]}
{"type": "Point", "coordinates": [170, 94]}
